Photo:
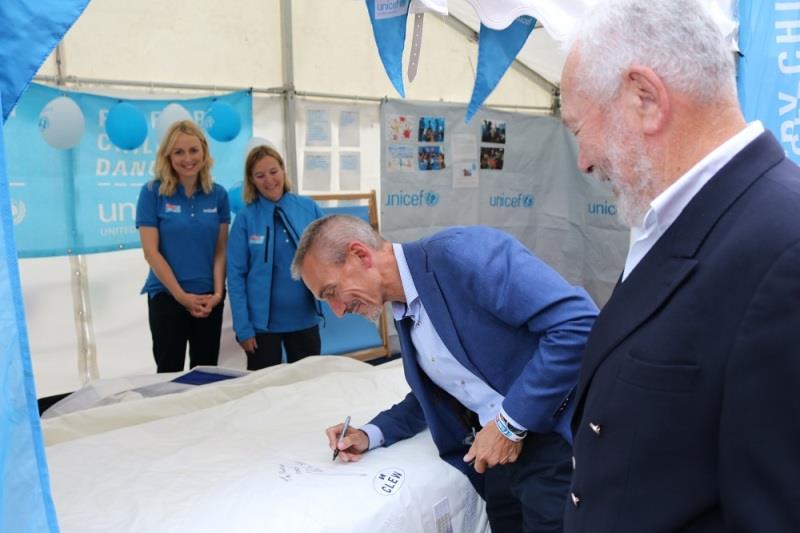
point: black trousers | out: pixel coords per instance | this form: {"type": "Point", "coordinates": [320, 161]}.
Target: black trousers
{"type": "Point", "coordinates": [530, 494]}
{"type": "Point", "coordinates": [298, 344]}
{"type": "Point", "coordinates": [172, 326]}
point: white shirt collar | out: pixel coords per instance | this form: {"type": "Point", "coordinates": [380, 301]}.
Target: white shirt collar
{"type": "Point", "coordinates": [666, 207]}
{"type": "Point", "coordinates": [410, 308]}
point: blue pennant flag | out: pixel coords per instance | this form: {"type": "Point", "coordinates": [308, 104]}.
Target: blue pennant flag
{"type": "Point", "coordinates": [30, 32]}
{"type": "Point", "coordinates": [388, 19]}
{"type": "Point", "coordinates": [496, 50]}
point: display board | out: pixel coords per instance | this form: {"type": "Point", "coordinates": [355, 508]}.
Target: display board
{"type": "Point", "coordinates": [83, 200]}
{"type": "Point", "coordinates": [507, 170]}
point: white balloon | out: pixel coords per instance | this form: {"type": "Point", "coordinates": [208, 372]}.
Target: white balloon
{"type": "Point", "coordinates": [171, 114]}
{"type": "Point", "coordinates": [258, 141]}
{"type": "Point", "coordinates": [61, 123]}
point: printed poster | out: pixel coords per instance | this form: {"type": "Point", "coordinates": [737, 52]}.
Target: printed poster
{"type": "Point", "coordinates": [318, 127]}
{"type": "Point", "coordinates": [349, 128]}
{"type": "Point", "coordinates": [317, 171]}
{"type": "Point", "coordinates": [400, 128]}
{"type": "Point", "coordinates": [350, 171]}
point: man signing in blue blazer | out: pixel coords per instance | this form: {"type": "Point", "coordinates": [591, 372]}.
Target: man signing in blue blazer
{"type": "Point", "coordinates": [687, 406]}
{"type": "Point", "coordinates": [491, 339]}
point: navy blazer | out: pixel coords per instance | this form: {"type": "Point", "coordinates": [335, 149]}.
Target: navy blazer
{"type": "Point", "coordinates": [509, 319]}
{"type": "Point", "coordinates": [688, 416]}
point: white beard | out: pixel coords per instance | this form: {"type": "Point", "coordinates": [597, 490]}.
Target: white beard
{"type": "Point", "coordinates": [374, 315]}
{"type": "Point", "coordinates": [368, 311]}
{"type": "Point", "coordinates": [635, 193]}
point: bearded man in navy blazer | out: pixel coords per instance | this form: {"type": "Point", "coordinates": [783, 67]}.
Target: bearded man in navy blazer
{"type": "Point", "coordinates": [491, 340]}
{"type": "Point", "coordinates": [688, 416]}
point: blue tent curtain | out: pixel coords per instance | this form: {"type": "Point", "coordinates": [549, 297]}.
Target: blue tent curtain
{"type": "Point", "coordinates": [25, 500]}
{"type": "Point", "coordinates": [769, 69]}
{"type": "Point", "coordinates": [30, 31]}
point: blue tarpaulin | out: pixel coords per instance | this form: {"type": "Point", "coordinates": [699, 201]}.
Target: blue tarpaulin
{"type": "Point", "coordinates": [30, 31]}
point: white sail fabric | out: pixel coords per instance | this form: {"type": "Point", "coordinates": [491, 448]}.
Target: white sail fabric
{"type": "Point", "coordinates": [250, 454]}
{"type": "Point", "coordinates": [557, 16]}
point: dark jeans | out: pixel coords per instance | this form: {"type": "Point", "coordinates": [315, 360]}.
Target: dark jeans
{"type": "Point", "coordinates": [172, 326]}
{"type": "Point", "coordinates": [530, 494]}
{"type": "Point", "coordinates": [298, 344]}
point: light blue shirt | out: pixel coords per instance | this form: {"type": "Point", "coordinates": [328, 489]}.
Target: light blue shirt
{"type": "Point", "coordinates": [666, 207]}
{"type": "Point", "coordinates": [436, 360]}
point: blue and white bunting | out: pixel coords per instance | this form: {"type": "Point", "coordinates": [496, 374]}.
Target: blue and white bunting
{"type": "Point", "coordinates": [388, 18]}
{"type": "Point", "coordinates": [496, 51]}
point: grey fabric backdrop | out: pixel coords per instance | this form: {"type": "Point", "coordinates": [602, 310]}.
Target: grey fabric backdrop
{"type": "Point", "coordinates": [568, 219]}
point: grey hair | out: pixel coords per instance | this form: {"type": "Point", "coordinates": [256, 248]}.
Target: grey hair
{"type": "Point", "coordinates": [330, 236]}
{"type": "Point", "coordinates": [677, 39]}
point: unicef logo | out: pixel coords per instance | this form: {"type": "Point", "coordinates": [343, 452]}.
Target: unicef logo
{"type": "Point", "coordinates": [431, 198]}
{"type": "Point", "coordinates": [421, 198]}
{"type": "Point", "coordinates": [44, 123]}
{"type": "Point", "coordinates": [517, 200]}
{"type": "Point", "coordinates": [604, 208]}
{"type": "Point", "coordinates": [18, 211]}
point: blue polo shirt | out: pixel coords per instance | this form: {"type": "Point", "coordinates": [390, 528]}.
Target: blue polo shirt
{"type": "Point", "coordinates": [188, 229]}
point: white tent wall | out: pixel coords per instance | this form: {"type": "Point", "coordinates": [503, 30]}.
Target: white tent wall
{"type": "Point", "coordinates": [213, 43]}
{"type": "Point", "coordinates": [268, 120]}
{"type": "Point", "coordinates": [174, 50]}
{"type": "Point", "coordinates": [119, 318]}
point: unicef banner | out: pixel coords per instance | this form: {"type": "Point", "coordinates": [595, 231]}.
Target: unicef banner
{"type": "Point", "coordinates": [507, 170]}
{"type": "Point", "coordinates": [769, 68]}
{"type": "Point", "coordinates": [82, 199]}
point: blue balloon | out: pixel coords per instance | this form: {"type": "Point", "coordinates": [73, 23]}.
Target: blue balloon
{"type": "Point", "coordinates": [222, 121]}
{"type": "Point", "coordinates": [236, 198]}
{"type": "Point", "coordinates": [126, 126]}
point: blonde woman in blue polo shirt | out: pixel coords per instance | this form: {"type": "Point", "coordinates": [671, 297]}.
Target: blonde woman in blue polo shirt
{"type": "Point", "coordinates": [270, 308]}
{"type": "Point", "coordinates": [183, 218]}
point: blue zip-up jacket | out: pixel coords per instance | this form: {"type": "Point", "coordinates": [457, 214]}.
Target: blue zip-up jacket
{"type": "Point", "coordinates": [251, 253]}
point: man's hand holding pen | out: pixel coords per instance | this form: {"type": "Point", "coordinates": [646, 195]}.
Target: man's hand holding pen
{"type": "Point", "coordinates": [351, 443]}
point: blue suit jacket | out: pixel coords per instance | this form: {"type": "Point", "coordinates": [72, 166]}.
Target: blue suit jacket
{"type": "Point", "coordinates": [688, 413]}
{"type": "Point", "coordinates": [508, 318]}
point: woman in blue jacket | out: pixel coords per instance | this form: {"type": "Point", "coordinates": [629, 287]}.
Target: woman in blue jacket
{"type": "Point", "coordinates": [270, 308]}
{"type": "Point", "coordinates": [183, 217]}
